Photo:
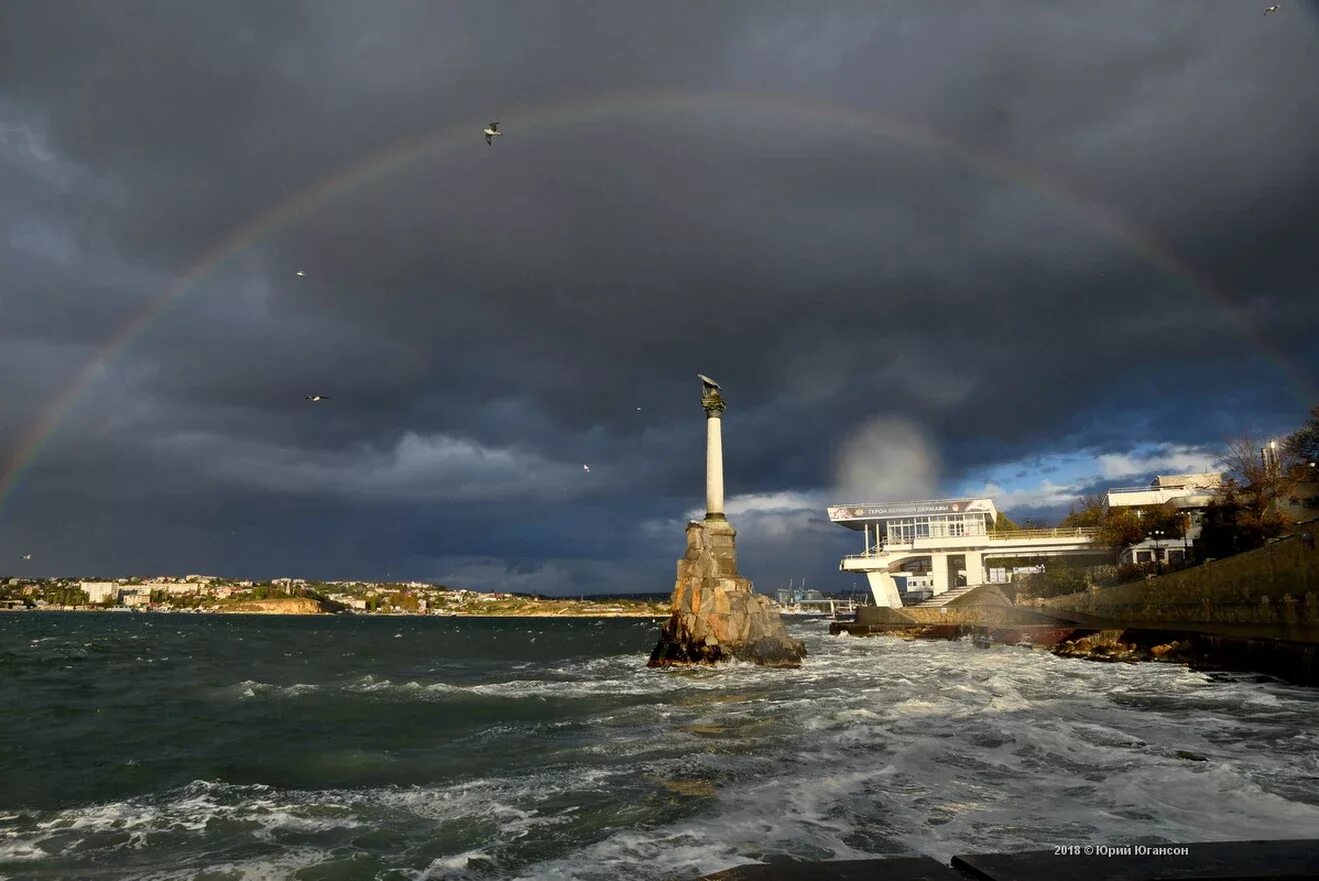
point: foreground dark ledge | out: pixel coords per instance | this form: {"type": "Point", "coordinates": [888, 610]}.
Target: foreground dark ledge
{"type": "Point", "coordinates": [1218, 860]}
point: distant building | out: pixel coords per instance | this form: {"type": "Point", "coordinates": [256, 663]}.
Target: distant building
{"type": "Point", "coordinates": [1302, 502]}
{"type": "Point", "coordinates": [1168, 550]}
{"type": "Point", "coordinates": [787, 596]}
{"type": "Point", "coordinates": [1186, 491]}
{"type": "Point", "coordinates": [169, 587]}
{"type": "Point", "coordinates": [100, 591]}
{"type": "Point", "coordinates": [1190, 494]}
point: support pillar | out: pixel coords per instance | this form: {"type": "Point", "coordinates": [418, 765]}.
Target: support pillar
{"type": "Point", "coordinates": [884, 589]}
{"type": "Point", "coordinates": [939, 573]}
{"type": "Point", "coordinates": [975, 568]}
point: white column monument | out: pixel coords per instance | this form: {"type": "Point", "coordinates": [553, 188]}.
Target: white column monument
{"type": "Point", "coordinates": [714, 406]}
{"type": "Point", "coordinates": [717, 615]}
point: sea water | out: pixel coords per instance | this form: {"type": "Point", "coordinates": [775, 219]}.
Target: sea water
{"type": "Point", "coordinates": [248, 747]}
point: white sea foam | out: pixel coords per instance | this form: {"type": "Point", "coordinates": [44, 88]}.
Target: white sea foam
{"type": "Point", "coordinates": [249, 688]}
{"type": "Point", "coordinates": [874, 747]}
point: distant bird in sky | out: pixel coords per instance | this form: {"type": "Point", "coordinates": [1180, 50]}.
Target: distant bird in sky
{"type": "Point", "coordinates": [1273, 8]}
{"type": "Point", "coordinates": [492, 132]}
{"type": "Point", "coordinates": [586, 468]}
{"type": "Point", "coordinates": [27, 556]}
{"type": "Point", "coordinates": [301, 274]}
{"type": "Point", "coordinates": [317, 398]}
{"type": "Point", "coordinates": [638, 409]}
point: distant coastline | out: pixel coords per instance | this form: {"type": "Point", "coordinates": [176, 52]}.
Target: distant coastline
{"type": "Point", "coordinates": [211, 596]}
{"type": "Point", "coordinates": [221, 611]}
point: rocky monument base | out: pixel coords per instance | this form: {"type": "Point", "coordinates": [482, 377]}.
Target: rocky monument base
{"type": "Point", "coordinates": [716, 616]}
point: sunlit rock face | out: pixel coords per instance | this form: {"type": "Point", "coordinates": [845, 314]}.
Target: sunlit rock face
{"type": "Point", "coordinates": [716, 616]}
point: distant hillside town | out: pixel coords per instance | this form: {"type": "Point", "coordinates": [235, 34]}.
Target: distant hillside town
{"type": "Point", "coordinates": [205, 593]}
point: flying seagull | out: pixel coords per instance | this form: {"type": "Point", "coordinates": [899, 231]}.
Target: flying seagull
{"type": "Point", "coordinates": [586, 468]}
{"type": "Point", "coordinates": [27, 556]}
{"type": "Point", "coordinates": [708, 381]}
{"type": "Point", "coordinates": [317, 398]}
{"type": "Point", "coordinates": [492, 132]}
{"type": "Point", "coordinates": [301, 274]}
{"type": "Point", "coordinates": [1273, 8]}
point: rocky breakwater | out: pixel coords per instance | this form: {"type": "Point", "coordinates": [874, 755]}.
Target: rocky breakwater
{"type": "Point", "coordinates": [716, 614]}
{"type": "Point", "coordinates": [1118, 646]}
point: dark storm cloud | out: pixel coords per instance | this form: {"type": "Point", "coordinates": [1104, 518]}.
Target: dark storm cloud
{"type": "Point", "coordinates": [488, 320]}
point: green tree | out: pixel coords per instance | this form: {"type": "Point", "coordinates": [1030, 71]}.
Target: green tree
{"type": "Point", "coordinates": [1303, 443]}
{"type": "Point", "coordinates": [1088, 511]}
{"type": "Point", "coordinates": [1003, 523]}
{"type": "Point", "coordinates": [1255, 484]}
{"type": "Point", "coordinates": [1121, 528]}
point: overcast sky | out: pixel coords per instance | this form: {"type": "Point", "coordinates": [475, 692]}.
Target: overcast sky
{"type": "Point", "coordinates": [929, 249]}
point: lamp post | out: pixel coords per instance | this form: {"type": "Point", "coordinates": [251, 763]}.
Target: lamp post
{"type": "Point", "coordinates": [1157, 535]}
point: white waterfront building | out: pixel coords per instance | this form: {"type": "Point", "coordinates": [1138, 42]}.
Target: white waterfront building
{"type": "Point", "coordinates": [927, 548]}
{"type": "Point", "coordinates": [100, 591]}
{"type": "Point", "coordinates": [1188, 492]}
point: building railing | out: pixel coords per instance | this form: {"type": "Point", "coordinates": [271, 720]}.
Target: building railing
{"type": "Point", "coordinates": [915, 502]}
{"type": "Point", "coordinates": [1055, 532]}
{"type": "Point", "coordinates": [1086, 532]}
{"type": "Point", "coordinates": [1188, 490]}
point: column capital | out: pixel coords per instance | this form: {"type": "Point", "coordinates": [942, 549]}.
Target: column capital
{"type": "Point", "coordinates": [714, 405]}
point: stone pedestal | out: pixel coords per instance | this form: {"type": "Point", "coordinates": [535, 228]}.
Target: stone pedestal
{"type": "Point", "coordinates": [716, 615]}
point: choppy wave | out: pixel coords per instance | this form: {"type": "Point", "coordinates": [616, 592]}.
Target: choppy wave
{"type": "Point", "coordinates": [604, 769]}
{"type": "Point", "coordinates": [622, 675]}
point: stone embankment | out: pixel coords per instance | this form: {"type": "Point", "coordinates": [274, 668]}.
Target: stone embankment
{"type": "Point", "coordinates": [983, 614]}
{"type": "Point", "coordinates": [1270, 592]}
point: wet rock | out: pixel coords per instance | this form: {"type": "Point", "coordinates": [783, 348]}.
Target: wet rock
{"type": "Point", "coordinates": [1106, 645]}
{"type": "Point", "coordinates": [1170, 651]}
{"type": "Point", "coordinates": [716, 615]}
